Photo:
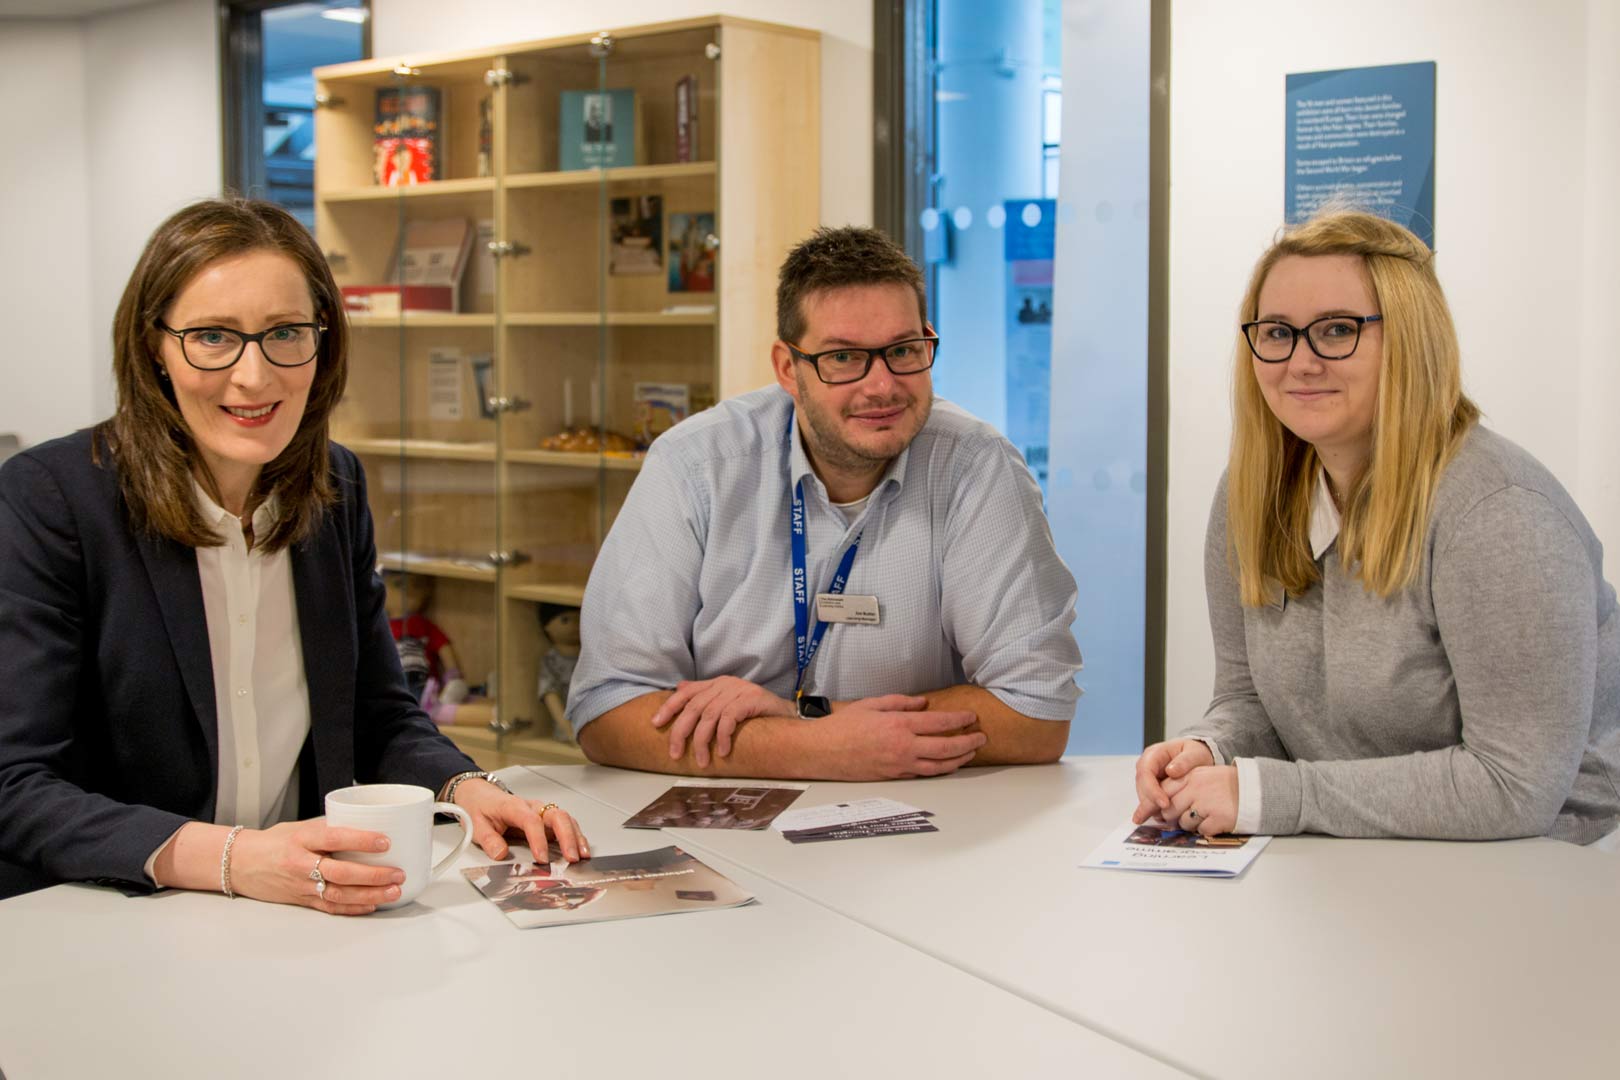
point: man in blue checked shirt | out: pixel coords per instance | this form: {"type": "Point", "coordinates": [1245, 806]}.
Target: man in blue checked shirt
{"type": "Point", "coordinates": [839, 577]}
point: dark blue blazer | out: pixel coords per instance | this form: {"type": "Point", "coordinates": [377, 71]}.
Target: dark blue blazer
{"type": "Point", "coordinates": [108, 729]}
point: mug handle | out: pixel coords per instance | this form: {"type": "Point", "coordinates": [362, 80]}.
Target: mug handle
{"type": "Point", "coordinates": [466, 835]}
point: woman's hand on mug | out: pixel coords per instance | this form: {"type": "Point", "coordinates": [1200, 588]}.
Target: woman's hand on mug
{"type": "Point", "coordinates": [496, 814]}
{"type": "Point", "coordinates": [1172, 759]}
{"type": "Point", "coordinates": [274, 864]}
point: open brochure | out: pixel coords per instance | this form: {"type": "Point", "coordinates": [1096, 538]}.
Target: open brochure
{"type": "Point", "coordinates": [660, 882]}
{"type": "Point", "coordinates": [1154, 847]}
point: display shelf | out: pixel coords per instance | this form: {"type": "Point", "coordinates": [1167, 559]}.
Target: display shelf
{"type": "Point", "coordinates": [430, 190]}
{"type": "Point", "coordinates": [423, 320]}
{"type": "Point", "coordinates": [449, 408]}
{"type": "Point", "coordinates": [460, 570]}
{"type": "Point", "coordinates": [623, 174]}
{"type": "Point", "coordinates": [569, 595]}
{"type": "Point", "coordinates": [612, 318]}
{"type": "Point", "coordinates": [429, 449]}
{"type": "Point", "coordinates": [575, 460]}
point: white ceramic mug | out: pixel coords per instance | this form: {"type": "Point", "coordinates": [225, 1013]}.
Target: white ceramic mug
{"type": "Point", "coordinates": [403, 813]}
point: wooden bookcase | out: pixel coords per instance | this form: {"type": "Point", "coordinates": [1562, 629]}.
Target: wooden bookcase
{"type": "Point", "coordinates": [461, 489]}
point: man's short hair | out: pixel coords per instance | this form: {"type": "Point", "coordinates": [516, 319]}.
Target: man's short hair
{"type": "Point", "coordinates": [835, 259]}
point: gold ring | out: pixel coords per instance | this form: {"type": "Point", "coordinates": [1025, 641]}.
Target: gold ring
{"type": "Point", "coordinates": [549, 806]}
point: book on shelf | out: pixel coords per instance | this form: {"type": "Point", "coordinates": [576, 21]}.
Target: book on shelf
{"type": "Point", "coordinates": [638, 235]}
{"type": "Point", "coordinates": [659, 407]}
{"type": "Point", "coordinates": [427, 268]}
{"type": "Point", "coordinates": [686, 118]}
{"type": "Point", "coordinates": [597, 129]}
{"type": "Point", "coordinates": [692, 245]}
{"type": "Point", "coordinates": [408, 136]}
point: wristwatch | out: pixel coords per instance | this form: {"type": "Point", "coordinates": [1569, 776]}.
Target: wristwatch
{"type": "Point", "coordinates": [458, 779]}
{"type": "Point", "coordinates": [814, 706]}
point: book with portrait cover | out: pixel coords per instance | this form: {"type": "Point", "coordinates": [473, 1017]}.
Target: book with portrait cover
{"type": "Point", "coordinates": [597, 129]}
{"type": "Point", "coordinates": [408, 136]}
{"type": "Point", "coordinates": [664, 881]}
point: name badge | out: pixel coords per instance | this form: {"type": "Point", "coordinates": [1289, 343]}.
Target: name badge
{"type": "Point", "coordinates": [844, 608]}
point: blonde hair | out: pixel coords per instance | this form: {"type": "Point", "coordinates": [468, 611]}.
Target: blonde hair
{"type": "Point", "coordinates": [1420, 418]}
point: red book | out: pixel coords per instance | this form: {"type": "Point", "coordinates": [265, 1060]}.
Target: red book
{"type": "Point", "coordinates": [408, 136]}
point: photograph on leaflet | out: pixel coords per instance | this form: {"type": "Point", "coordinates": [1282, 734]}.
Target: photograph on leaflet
{"type": "Point", "coordinates": [1156, 836]}
{"type": "Point", "coordinates": [706, 806]}
{"type": "Point", "coordinates": [665, 881]}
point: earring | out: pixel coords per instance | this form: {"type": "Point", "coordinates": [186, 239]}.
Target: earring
{"type": "Point", "coordinates": [162, 373]}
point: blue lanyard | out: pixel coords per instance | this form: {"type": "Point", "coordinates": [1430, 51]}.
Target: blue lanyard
{"type": "Point", "coordinates": [808, 640]}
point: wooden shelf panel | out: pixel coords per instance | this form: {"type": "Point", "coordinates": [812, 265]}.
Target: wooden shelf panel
{"type": "Point", "coordinates": [625, 174]}
{"type": "Point", "coordinates": [612, 318]}
{"type": "Point", "coordinates": [431, 449]}
{"type": "Point", "coordinates": [570, 595]}
{"type": "Point", "coordinates": [575, 460]}
{"type": "Point", "coordinates": [442, 188]}
{"type": "Point", "coordinates": [422, 320]}
{"type": "Point", "coordinates": [517, 748]}
{"type": "Point", "coordinates": [446, 568]}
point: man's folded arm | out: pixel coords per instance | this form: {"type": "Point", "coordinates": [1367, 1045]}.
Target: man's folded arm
{"type": "Point", "coordinates": [766, 747]}
{"type": "Point", "coordinates": [1015, 739]}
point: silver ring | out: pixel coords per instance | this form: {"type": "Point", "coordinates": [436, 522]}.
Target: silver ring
{"type": "Point", "coordinates": [315, 876]}
{"type": "Point", "coordinates": [1193, 814]}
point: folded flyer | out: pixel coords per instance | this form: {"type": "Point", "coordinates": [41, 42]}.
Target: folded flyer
{"type": "Point", "coordinates": [664, 881]}
{"type": "Point", "coordinates": [853, 820]}
{"type": "Point", "coordinates": [1157, 848]}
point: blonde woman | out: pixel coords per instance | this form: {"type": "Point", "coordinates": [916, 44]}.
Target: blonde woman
{"type": "Point", "coordinates": [1413, 636]}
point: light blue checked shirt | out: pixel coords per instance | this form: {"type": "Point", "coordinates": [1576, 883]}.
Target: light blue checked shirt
{"type": "Point", "coordinates": [695, 578]}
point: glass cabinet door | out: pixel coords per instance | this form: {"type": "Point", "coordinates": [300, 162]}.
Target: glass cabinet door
{"type": "Point", "coordinates": [405, 223]}
{"type": "Point", "coordinates": [600, 348]}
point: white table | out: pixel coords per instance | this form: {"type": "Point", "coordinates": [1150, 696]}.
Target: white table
{"type": "Point", "coordinates": [94, 983]}
{"type": "Point", "coordinates": [1328, 958]}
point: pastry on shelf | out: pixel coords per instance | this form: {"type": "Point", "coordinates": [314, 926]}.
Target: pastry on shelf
{"type": "Point", "coordinates": [588, 440]}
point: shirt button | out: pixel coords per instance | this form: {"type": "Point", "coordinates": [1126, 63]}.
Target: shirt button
{"type": "Point", "coordinates": [241, 693]}
{"type": "Point", "coordinates": [242, 619]}
{"type": "Point", "coordinates": [247, 763]}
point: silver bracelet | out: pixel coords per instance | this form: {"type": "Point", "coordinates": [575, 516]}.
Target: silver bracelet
{"type": "Point", "coordinates": [460, 778]}
{"type": "Point", "coordinates": [225, 863]}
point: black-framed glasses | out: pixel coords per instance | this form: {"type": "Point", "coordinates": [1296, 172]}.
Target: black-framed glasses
{"type": "Point", "coordinates": [214, 348]}
{"type": "Point", "coordinates": [1332, 337]}
{"type": "Point", "coordinates": [851, 365]}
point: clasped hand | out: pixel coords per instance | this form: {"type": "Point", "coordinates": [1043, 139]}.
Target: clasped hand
{"type": "Point", "coordinates": [1178, 779]}
{"type": "Point", "coordinates": [891, 737]}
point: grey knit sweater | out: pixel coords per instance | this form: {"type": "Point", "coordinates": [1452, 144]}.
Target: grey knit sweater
{"type": "Point", "coordinates": [1481, 703]}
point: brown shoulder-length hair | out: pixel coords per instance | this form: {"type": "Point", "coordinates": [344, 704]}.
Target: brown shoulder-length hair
{"type": "Point", "coordinates": [1420, 418]}
{"type": "Point", "coordinates": [146, 437]}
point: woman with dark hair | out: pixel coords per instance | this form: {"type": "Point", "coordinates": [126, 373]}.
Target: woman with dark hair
{"type": "Point", "coordinates": [194, 646]}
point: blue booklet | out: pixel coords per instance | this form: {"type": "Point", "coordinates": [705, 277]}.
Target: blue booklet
{"type": "Point", "coordinates": [597, 129]}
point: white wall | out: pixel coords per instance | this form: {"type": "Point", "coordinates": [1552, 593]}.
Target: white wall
{"type": "Point", "coordinates": [1526, 149]}
{"type": "Point", "coordinates": [424, 26]}
{"type": "Point", "coordinates": [115, 124]}
{"type": "Point", "coordinates": [45, 272]}
{"type": "Point", "coordinates": [153, 125]}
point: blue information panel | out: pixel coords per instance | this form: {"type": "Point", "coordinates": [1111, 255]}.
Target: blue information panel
{"type": "Point", "coordinates": [1365, 135]}
{"type": "Point", "coordinates": [1031, 231]}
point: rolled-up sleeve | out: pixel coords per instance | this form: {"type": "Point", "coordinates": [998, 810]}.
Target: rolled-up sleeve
{"type": "Point", "coordinates": [1008, 601]}
{"type": "Point", "coordinates": [641, 600]}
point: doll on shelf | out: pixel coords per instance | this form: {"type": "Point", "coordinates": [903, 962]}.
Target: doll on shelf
{"type": "Point", "coordinates": [559, 654]}
{"type": "Point", "coordinates": [432, 669]}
